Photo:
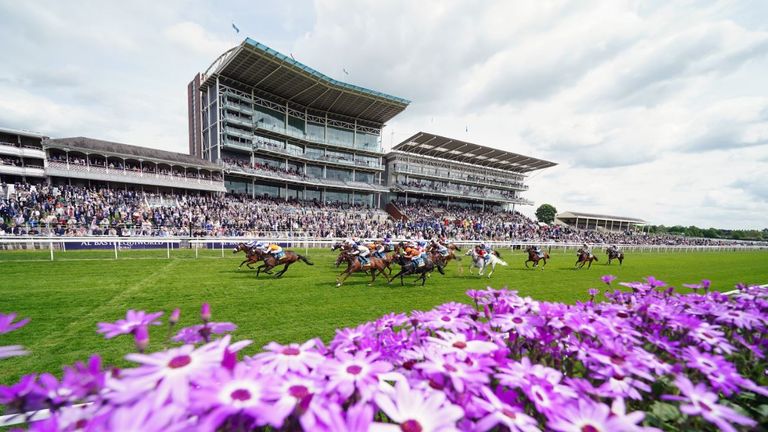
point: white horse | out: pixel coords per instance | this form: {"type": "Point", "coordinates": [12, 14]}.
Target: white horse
{"type": "Point", "coordinates": [480, 263]}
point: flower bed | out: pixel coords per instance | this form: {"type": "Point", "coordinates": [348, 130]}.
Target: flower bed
{"type": "Point", "coordinates": [644, 359]}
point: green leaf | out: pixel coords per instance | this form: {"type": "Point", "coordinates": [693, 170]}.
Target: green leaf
{"type": "Point", "coordinates": [665, 411]}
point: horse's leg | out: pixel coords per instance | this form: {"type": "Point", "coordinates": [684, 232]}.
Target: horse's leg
{"type": "Point", "coordinates": [493, 268]}
{"type": "Point", "coordinates": [342, 277]}
{"type": "Point", "coordinates": [526, 263]}
{"type": "Point", "coordinates": [280, 273]}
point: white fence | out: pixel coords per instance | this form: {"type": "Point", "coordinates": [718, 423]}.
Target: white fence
{"type": "Point", "coordinates": [168, 247]}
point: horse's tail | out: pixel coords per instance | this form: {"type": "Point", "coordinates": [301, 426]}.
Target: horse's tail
{"type": "Point", "coordinates": [303, 258]}
{"type": "Point", "coordinates": [440, 269]}
{"type": "Point", "coordinates": [498, 255]}
{"type": "Point", "coordinates": [595, 257]}
{"type": "Point", "coordinates": [502, 262]}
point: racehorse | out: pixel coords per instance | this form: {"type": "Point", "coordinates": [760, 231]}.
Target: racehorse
{"type": "Point", "coordinates": [612, 255]}
{"type": "Point", "coordinates": [481, 263]}
{"type": "Point", "coordinates": [251, 255]}
{"type": "Point", "coordinates": [288, 258]}
{"type": "Point", "coordinates": [408, 267]}
{"type": "Point", "coordinates": [444, 260]}
{"type": "Point", "coordinates": [375, 265]}
{"type": "Point", "coordinates": [340, 259]}
{"type": "Point", "coordinates": [535, 258]}
{"type": "Point", "coordinates": [584, 258]}
{"type": "Point", "coordinates": [387, 259]}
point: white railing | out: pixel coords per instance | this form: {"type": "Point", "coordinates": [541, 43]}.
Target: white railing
{"type": "Point", "coordinates": [115, 247]}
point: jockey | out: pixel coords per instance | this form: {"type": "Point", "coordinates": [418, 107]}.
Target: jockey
{"type": "Point", "coordinates": [482, 253]}
{"type": "Point", "coordinates": [487, 249]}
{"type": "Point", "coordinates": [378, 248]}
{"type": "Point", "coordinates": [253, 244]}
{"type": "Point", "coordinates": [439, 247]}
{"type": "Point", "coordinates": [362, 252]}
{"type": "Point", "coordinates": [415, 255]}
{"type": "Point", "coordinates": [275, 250]}
{"type": "Point", "coordinates": [538, 251]}
{"type": "Point", "coordinates": [587, 250]}
{"type": "Point", "coordinates": [613, 249]}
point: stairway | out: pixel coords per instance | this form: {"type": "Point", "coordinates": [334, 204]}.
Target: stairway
{"type": "Point", "coordinates": [395, 212]}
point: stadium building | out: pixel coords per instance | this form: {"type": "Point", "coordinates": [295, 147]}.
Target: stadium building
{"type": "Point", "coordinates": [22, 158]}
{"type": "Point", "coordinates": [591, 221]}
{"type": "Point", "coordinates": [282, 129]}
{"type": "Point", "coordinates": [432, 168]}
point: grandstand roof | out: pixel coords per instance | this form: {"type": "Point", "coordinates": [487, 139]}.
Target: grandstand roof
{"type": "Point", "coordinates": [21, 132]}
{"type": "Point", "coordinates": [451, 149]}
{"type": "Point", "coordinates": [257, 65]}
{"type": "Point", "coordinates": [91, 145]}
{"type": "Point", "coordinates": [574, 215]}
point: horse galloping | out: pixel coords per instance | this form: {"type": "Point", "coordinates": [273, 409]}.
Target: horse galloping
{"type": "Point", "coordinates": [535, 258]}
{"type": "Point", "coordinates": [251, 255]}
{"type": "Point", "coordinates": [375, 265]}
{"type": "Point", "coordinates": [288, 258]}
{"type": "Point", "coordinates": [584, 258]}
{"type": "Point", "coordinates": [481, 263]}
{"type": "Point", "coordinates": [615, 255]}
{"type": "Point", "coordinates": [408, 267]}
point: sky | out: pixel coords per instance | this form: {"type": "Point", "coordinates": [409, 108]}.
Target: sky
{"type": "Point", "coordinates": [652, 109]}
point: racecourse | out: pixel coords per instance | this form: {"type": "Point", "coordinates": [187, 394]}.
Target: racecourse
{"type": "Point", "coordinates": [67, 297]}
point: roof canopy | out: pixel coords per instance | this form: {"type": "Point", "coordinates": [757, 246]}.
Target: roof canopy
{"type": "Point", "coordinates": [259, 66]}
{"type": "Point", "coordinates": [21, 132]}
{"type": "Point", "coordinates": [574, 215]}
{"type": "Point", "coordinates": [428, 144]}
{"type": "Point", "coordinates": [90, 145]}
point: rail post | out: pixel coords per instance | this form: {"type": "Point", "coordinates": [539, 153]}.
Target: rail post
{"type": "Point", "coordinates": [196, 246]}
{"type": "Point", "coordinates": [50, 242]}
{"type": "Point", "coordinates": [168, 249]}
{"type": "Point", "coordinates": [115, 244]}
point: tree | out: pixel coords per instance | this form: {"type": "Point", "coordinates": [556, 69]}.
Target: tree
{"type": "Point", "coordinates": [546, 213]}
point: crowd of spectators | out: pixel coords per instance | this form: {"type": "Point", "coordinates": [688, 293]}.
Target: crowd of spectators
{"type": "Point", "coordinates": [148, 168]}
{"type": "Point", "coordinates": [81, 211]}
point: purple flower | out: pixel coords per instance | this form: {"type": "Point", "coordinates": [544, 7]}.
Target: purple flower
{"type": "Point", "coordinates": [415, 410]}
{"type": "Point", "coordinates": [12, 351]}
{"type": "Point", "coordinates": [593, 292]}
{"type": "Point", "coordinates": [205, 312]}
{"type": "Point", "coordinates": [169, 373]}
{"type": "Point", "coordinates": [143, 417]}
{"type": "Point", "coordinates": [700, 401]}
{"type": "Point", "coordinates": [590, 416]}
{"type": "Point", "coordinates": [360, 372]}
{"type": "Point", "coordinates": [141, 337]}
{"type": "Point", "coordinates": [331, 418]}
{"type": "Point", "coordinates": [202, 332]}
{"type": "Point", "coordinates": [238, 392]}
{"type": "Point", "coordinates": [280, 359]}
{"type": "Point", "coordinates": [133, 320]}
{"type": "Point", "coordinates": [501, 413]}
{"type": "Point", "coordinates": [175, 315]}
{"type": "Point", "coordinates": [607, 279]}
{"type": "Point", "coordinates": [7, 324]}
{"type": "Point", "coordinates": [458, 345]}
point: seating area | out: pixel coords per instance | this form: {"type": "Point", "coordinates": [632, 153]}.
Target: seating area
{"type": "Point", "coordinates": [42, 209]}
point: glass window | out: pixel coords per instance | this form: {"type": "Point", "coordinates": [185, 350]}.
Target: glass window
{"type": "Point", "coordinates": [296, 125]}
{"type": "Point", "coordinates": [315, 171]}
{"type": "Point", "coordinates": [340, 136]}
{"type": "Point", "coordinates": [316, 130]}
{"type": "Point", "coordinates": [332, 196]}
{"type": "Point", "coordinates": [313, 152]}
{"type": "Point", "coordinates": [262, 190]}
{"type": "Point", "coordinates": [363, 198]}
{"type": "Point", "coordinates": [313, 194]}
{"type": "Point", "coordinates": [294, 149]}
{"type": "Point", "coordinates": [364, 177]}
{"type": "Point", "coordinates": [237, 186]}
{"type": "Point", "coordinates": [367, 141]}
{"type": "Point", "coordinates": [274, 163]}
{"type": "Point", "coordinates": [269, 117]}
{"type": "Point", "coordinates": [338, 174]}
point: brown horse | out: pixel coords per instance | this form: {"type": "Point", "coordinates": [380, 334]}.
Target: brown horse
{"type": "Point", "coordinates": [584, 258]}
{"type": "Point", "coordinates": [535, 258]}
{"type": "Point", "coordinates": [288, 258]}
{"type": "Point", "coordinates": [443, 260]}
{"type": "Point", "coordinates": [251, 255]}
{"type": "Point", "coordinates": [407, 267]}
{"type": "Point", "coordinates": [614, 254]}
{"type": "Point", "coordinates": [375, 265]}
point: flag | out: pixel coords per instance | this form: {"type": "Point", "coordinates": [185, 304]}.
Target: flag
{"type": "Point", "coordinates": [345, 71]}
{"type": "Point", "coordinates": [466, 129]}
{"type": "Point", "coordinates": [237, 30]}
{"type": "Point", "coordinates": [293, 56]}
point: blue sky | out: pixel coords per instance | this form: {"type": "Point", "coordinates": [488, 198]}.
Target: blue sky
{"type": "Point", "coordinates": [655, 110]}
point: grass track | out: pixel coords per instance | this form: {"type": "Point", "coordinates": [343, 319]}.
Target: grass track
{"type": "Point", "coordinates": [66, 298]}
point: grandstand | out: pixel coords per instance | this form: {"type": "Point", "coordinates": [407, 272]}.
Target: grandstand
{"type": "Point", "coordinates": [436, 169]}
{"type": "Point", "coordinates": [282, 129]}
{"type": "Point", "coordinates": [593, 221]}
{"type": "Point", "coordinates": [21, 156]}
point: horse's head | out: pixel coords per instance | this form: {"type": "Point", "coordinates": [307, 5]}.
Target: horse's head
{"type": "Point", "coordinates": [239, 247]}
{"type": "Point", "coordinates": [336, 246]}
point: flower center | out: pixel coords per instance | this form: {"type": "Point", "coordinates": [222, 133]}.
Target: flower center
{"type": "Point", "coordinates": [459, 345]}
{"type": "Point", "coordinates": [517, 320]}
{"type": "Point", "coordinates": [240, 395]}
{"type": "Point", "coordinates": [509, 413]}
{"type": "Point", "coordinates": [179, 361]}
{"type": "Point", "coordinates": [298, 391]}
{"type": "Point", "coordinates": [410, 426]}
{"type": "Point", "coordinates": [706, 407]}
{"type": "Point", "coordinates": [450, 368]}
{"type": "Point", "coordinates": [446, 319]}
{"type": "Point", "coordinates": [589, 428]}
{"type": "Point", "coordinates": [354, 369]}
{"type": "Point", "coordinates": [617, 360]}
{"type": "Point", "coordinates": [291, 351]}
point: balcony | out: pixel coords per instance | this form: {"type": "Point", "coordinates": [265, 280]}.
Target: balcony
{"type": "Point", "coordinates": [322, 159]}
{"type": "Point", "coordinates": [8, 149]}
{"type": "Point", "coordinates": [510, 184]}
{"type": "Point", "coordinates": [61, 169]}
{"type": "Point", "coordinates": [304, 180]}
{"type": "Point", "coordinates": [483, 194]}
{"type": "Point", "coordinates": [22, 171]}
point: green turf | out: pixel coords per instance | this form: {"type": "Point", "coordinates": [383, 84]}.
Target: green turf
{"type": "Point", "coordinates": [66, 298]}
